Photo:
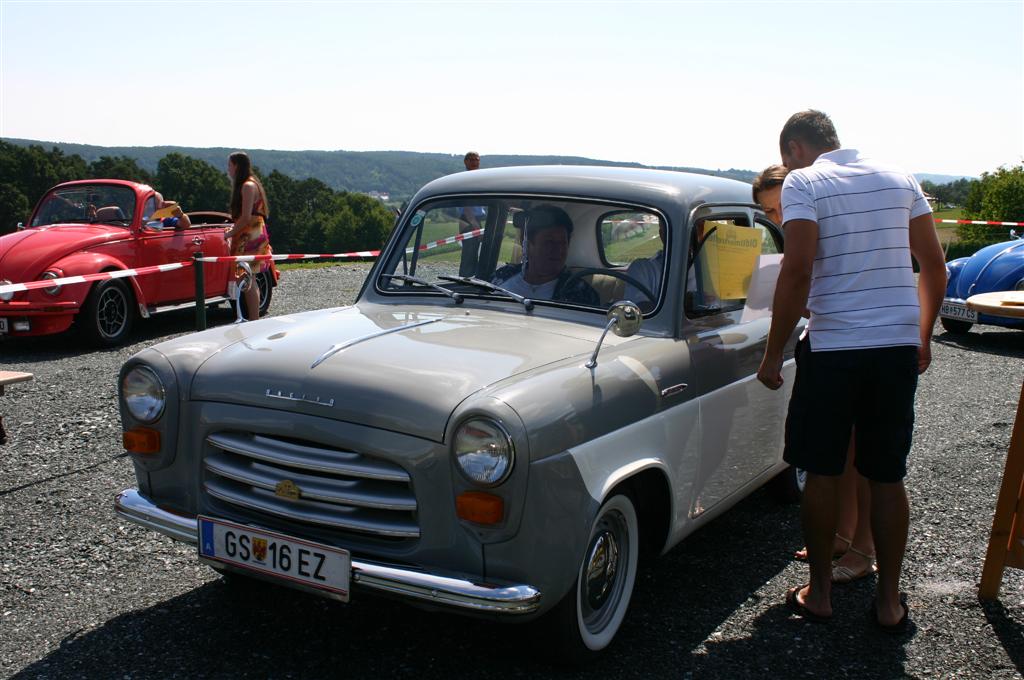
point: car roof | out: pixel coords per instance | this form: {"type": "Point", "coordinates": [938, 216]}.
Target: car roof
{"type": "Point", "coordinates": [661, 188]}
{"type": "Point", "coordinates": [143, 188]}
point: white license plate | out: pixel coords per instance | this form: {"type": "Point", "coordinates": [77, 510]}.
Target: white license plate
{"type": "Point", "coordinates": [284, 557]}
{"type": "Point", "coordinates": [3, 325]}
{"type": "Point", "coordinates": [958, 310]}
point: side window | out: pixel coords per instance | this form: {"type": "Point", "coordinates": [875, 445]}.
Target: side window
{"type": "Point", "coordinates": [629, 236]}
{"type": "Point", "coordinates": [149, 208]}
{"type": "Point", "coordinates": [771, 239]}
{"type": "Point", "coordinates": [724, 255]}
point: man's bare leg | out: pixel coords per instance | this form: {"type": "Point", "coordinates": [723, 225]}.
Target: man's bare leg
{"type": "Point", "coordinates": [890, 522]}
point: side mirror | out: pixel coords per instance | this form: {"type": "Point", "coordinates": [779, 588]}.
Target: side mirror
{"type": "Point", "coordinates": [624, 319]}
{"type": "Point", "coordinates": [627, 317]}
{"type": "Point", "coordinates": [21, 226]}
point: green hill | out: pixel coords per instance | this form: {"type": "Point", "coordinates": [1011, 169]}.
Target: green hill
{"type": "Point", "coordinates": [399, 173]}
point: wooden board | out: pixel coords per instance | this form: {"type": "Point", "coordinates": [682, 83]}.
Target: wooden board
{"type": "Point", "coordinates": [1002, 303]}
{"type": "Point", "coordinates": [1006, 543]}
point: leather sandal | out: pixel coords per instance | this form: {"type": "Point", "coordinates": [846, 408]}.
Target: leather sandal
{"type": "Point", "coordinates": [842, 574]}
{"type": "Point", "coordinates": [801, 554]}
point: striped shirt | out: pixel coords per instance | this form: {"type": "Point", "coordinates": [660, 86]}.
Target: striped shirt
{"type": "Point", "coordinates": [863, 293]}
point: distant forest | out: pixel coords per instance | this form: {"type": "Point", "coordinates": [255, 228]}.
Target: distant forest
{"type": "Point", "coordinates": [398, 173]}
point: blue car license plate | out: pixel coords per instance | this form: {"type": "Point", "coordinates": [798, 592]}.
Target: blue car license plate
{"type": "Point", "coordinates": [283, 557]}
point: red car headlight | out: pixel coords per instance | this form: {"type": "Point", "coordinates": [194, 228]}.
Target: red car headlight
{"type": "Point", "coordinates": [52, 274]}
{"type": "Point", "coordinates": [6, 297]}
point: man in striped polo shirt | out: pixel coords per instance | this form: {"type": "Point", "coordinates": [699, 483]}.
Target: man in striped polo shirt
{"type": "Point", "coordinates": [852, 225]}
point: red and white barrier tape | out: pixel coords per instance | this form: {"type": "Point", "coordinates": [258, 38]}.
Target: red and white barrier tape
{"type": "Point", "coordinates": [101, 276]}
{"type": "Point", "coordinates": [983, 222]}
{"type": "Point", "coordinates": [123, 273]}
{"type": "Point", "coordinates": [362, 253]}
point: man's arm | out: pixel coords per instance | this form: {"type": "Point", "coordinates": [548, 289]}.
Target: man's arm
{"type": "Point", "coordinates": [931, 284]}
{"type": "Point", "coordinates": [790, 296]}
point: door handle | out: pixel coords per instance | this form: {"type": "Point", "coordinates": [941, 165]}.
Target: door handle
{"type": "Point", "coordinates": [197, 241]}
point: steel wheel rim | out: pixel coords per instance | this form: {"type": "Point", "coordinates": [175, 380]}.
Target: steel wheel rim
{"type": "Point", "coordinates": [603, 580]}
{"type": "Point", "coordinates": [111, 312]}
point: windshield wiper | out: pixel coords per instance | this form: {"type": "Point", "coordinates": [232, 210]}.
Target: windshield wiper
{"type": "Point", "coordinates": [457, 297]}
{"type": "Point", "coordinates": [486, 285]}
{"type": "Point", "coordinates": [113, 220]}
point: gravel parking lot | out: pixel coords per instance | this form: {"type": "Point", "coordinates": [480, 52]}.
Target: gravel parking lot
{"type": "Point", "coordinates": [84, 594]}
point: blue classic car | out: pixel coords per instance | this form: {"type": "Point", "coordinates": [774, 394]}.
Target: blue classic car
{"type": "Point", "coordinates": [994, 268]}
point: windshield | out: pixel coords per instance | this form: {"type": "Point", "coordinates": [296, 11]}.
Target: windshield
{"type": "Point", "coordinates": [583, 254]}
{"type": "Point", "coordinates": [92, 204]}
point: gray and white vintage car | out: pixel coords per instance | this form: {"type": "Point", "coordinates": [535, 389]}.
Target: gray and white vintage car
{"type": "Point", "coordinates": [468, 435]}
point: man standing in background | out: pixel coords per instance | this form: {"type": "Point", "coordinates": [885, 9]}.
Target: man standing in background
{"type": "Point", "coordinates": [470, 218]}
{"type": "Point", "coordinates": [851, 226]}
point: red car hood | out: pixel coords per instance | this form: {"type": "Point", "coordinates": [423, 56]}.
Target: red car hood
{"type": "Point", "coordinates": [24, 255]}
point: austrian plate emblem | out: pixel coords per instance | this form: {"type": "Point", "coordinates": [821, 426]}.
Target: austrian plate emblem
{"type": "Point", "coordinates": [286, 488]}
{"type": "Point", "coordinates": [259, 549]}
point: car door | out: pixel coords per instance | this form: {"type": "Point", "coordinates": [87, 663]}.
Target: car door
{"type": "Point", "coordinates": [735, 261]}
{"type": "Point", "coordinates": [157, 245]}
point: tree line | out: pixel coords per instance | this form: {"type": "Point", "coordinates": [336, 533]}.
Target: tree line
{"type": "Point", "coordinates": [306, 215]}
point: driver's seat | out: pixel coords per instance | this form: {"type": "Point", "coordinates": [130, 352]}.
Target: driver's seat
{"type": "Point", "coordinates": [110, 212]}
{"type": "Point", "coordinates": [609, 288]}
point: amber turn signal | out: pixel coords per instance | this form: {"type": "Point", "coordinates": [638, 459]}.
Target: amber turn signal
{"type": "Point", "coordinates": [141, 440]}
{"type": "Point", "coordinates": [479, 507]}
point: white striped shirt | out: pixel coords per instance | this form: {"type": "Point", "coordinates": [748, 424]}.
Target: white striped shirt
{"type": "Point", "coordinates": [863, 292]}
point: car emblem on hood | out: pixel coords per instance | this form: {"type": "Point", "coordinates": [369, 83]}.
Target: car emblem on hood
{"type": "Point", "coordinates": [286, 488]}
{"type": "Point", "coordinates": [317, 401]}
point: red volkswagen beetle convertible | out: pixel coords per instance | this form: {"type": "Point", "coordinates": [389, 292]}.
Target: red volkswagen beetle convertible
{"type": "Point", "coordinates": [92, 226]}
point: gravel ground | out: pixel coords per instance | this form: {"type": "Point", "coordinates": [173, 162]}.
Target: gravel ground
{"type": "Point", "coordinates": [83, 594]}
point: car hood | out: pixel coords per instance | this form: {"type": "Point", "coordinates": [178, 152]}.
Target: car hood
{"type": "Point", "coordinates": [993, 268]}
{"type": "Point", "coordinates": [403, 369]}
{"type": "Point", "coordinates": [25, 254]}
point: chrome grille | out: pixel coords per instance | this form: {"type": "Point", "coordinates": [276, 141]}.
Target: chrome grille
{"type": "Point", "coordinates": [339, 489]}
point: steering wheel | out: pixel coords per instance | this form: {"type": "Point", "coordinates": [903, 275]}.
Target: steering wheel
{"type": "Point", "coordinates": [614, 273]}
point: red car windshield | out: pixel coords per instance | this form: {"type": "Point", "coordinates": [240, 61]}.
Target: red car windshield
{"type": "Point", "coordinates": [91, 204]}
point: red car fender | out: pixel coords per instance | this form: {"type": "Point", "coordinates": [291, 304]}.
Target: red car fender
{"type": "Point", "coordinates": [78, 264]}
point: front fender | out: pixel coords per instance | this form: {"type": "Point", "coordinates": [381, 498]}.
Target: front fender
{"type": "Point", "coordinates": [81, 263]}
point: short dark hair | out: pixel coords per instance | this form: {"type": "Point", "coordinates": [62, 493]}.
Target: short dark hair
{"type": "Point", "coordinates": [811, 127]}
{"type": "Point", "coordinates": [545, 217]}
{"type": "Point", "coordinates": [470, 154]}
{"type": "Point", "coordinates": [772, 176]}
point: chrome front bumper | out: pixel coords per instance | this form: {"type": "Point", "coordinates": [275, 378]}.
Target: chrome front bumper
{"type": "Point", "coordinates": [437, 590]}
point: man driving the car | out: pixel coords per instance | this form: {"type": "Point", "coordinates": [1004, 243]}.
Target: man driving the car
{"type": "Point", "coordinates": [543, 275]}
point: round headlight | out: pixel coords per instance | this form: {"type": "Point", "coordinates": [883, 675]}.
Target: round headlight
{"type": "Point", "coordinates": [143, 394]}
{"type": "Point", "coordinates": [1020, 285]}
{"type": "Point", "coordinates": [484, 452]}
{"type": "Point", "coordinates": [51, 275]}
{"type": "Point", "coordinates": [6, 297]}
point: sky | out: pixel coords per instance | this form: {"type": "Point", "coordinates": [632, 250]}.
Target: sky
{"type": "Point", "coordinates": [932, 86]}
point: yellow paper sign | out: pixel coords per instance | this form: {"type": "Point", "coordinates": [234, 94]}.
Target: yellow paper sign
{"type": "Point", "coordinates": [163, 212]}
{"type": "Point", "coordinates": [730, 255]}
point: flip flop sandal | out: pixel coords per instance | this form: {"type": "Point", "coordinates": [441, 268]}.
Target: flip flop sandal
{"type": "Point", "coordinates": [799, 608]}
{"type": "Point", "coordinates": [898, 628]}
{"type": "Point", "coordinates": [843, 574]}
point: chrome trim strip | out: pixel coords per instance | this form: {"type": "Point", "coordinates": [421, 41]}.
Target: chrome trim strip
{"type": "Point", "coordinates": [306, 457]}
{"type": "Point", "coordinates": [291, 397]}
{"type": "Point", "coordinates": [432, 588]}
{"type": "Point", "coordinates": [312, 488]}
{"type": "Point", "coordinates": [305, 511]}
{"type": "Point", "coordinates": [334, 349]}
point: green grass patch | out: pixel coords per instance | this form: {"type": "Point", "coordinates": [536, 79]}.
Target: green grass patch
{"type": "Point", "coordinates": [318, 264]}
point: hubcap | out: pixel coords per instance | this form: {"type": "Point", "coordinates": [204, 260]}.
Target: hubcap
{"type": "Point", "coordinates": [112, 312]}
{"type": "Point", "coordinates": [263, 285]}
{"type": "Point", "coordinates": [601, 569]}
{"type": "Point", "coordinates": [603, 579]}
